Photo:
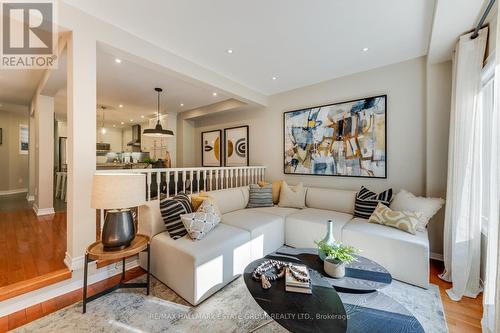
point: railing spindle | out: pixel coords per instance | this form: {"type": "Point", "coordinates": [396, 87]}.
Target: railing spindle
{"type": "Point", "coordinates": [148, 182]}
{"type": "Point", "coordinates": [167, 180]}
{"type": "Point", "coordinates": [176, 181]}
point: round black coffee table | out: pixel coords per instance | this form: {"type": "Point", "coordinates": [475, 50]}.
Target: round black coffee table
{"type": "Point", "coordinates": [322, 311]}
{"type": "Point", "coordinates": [326, 310]}
{"type": "Point", "coordinates": [361, 276]}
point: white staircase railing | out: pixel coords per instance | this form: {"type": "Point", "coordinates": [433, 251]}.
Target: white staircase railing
{"type": "Point", "coordinates": [161, 183]}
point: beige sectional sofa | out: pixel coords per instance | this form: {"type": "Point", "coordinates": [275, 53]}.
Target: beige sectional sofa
{"type": "Point", "coordinates": [197, 269]}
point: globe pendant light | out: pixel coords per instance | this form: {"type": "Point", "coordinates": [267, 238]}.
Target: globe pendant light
{"type": "Point", "coordinates": [158, 131]}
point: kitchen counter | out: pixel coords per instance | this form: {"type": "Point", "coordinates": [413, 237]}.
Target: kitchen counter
{"type": "Point", "coordinates": [109, 166]}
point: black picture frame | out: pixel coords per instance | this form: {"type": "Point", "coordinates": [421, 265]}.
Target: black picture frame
{"type": "Point", "coordinates": [331, 104]}
{"type": "Point", "coordinates": [1, 136]}
{"type": "Point", "coordinates": [203, 148]}
{"type": "Point", "coordinates": [248, 143]}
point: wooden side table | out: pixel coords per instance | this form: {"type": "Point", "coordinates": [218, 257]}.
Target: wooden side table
{"type": "Point", "coordinates": [96, 252]}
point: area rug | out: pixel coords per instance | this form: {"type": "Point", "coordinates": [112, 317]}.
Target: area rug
{"type": "Point", "coordinates": [230, 310]}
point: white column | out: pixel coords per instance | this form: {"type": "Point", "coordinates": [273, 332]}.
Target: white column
{"type": "Point", "coordinates": [81, 218]}
{"type": "Point", "coordinates": [44, 155]}
{"type": "Point", "coordinates": [31, 158]}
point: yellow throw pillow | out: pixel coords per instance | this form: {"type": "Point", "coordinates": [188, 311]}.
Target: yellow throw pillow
{"type": "Point", "coordinates": [197, 199]}
{"type": "Point", "coordinates": [276, 189]}
{"type": "Point", "coordinates": [406, 221]}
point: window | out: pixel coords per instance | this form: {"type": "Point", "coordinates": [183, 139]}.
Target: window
{"type": "Point", "coordinates": [23, 139]}
{"type": "Point", "coordinates": [488, 129]}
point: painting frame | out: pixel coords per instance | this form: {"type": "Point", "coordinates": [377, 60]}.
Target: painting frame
{"type": "Point", "coordinates": [385, 133]}
{"type": "Point", "coordinates": [203, 160]}
{"type": "Point", "coordinates": [247, 147]}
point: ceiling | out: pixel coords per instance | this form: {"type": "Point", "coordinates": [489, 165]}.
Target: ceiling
{"type": "Point", "coordinates": [18, 86]}
{"type": "Point", "coordinates": [132, 86]}
{"type": "Point", "coordinates": [301, 42]}
{"type": "Point", "coordinates": [451, 19]}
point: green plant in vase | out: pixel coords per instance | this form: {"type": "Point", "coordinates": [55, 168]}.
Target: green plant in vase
{"type": "Point", "coordinates": [337, 256]}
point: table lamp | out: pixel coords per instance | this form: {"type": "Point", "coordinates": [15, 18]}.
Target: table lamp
{"type": "Point", "coordinates": [117, 193]}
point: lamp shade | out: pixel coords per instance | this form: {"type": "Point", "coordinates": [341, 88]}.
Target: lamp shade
{"type": "Point", "coordinates": [116, 191]}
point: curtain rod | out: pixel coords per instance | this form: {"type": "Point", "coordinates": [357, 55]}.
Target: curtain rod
{"type": "Point", "coordinates": [483, 18]}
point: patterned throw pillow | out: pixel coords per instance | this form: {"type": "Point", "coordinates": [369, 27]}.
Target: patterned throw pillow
{"type": "Point", "coordinates": [406, 221]}
{"type": "Point", "coordinates": [366, 201]}
{"type": "Point", "coordinates": [205, 219]}
{"type": "Point", "coordinates": [260, 196]}
{"type": "Point", "coordinates": [171, 210]}
{"type": "Point", "coordinates": [209, 206]}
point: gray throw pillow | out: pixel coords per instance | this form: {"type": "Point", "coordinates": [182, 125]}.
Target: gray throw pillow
{"type": "Point", "coordinates": [260, 196]}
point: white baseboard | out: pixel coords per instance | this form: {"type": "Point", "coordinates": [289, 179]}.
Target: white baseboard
{"type": "Point", "coordinates": [437, 256]}
{"type": "Point", "coordinates": [43, 211]}
{"type": "Point", "coordinates": [74, 264]}
{"type": "Point", "coordinates": [76, 282]}
{"type": "Point", "coordinates": [16, 191]}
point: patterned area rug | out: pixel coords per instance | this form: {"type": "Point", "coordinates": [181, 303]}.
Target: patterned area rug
{"type": "Point", "coordinates": [230, 310]}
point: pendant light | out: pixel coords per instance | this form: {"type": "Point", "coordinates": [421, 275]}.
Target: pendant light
{"type": "Point", "coordinates": [103, 129]}
{"type": "Point", "coordinates": [158, 131]}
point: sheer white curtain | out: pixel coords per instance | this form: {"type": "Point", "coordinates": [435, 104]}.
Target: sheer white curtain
{"type": "Point", "coordinates": [491, 296]}
{"type": "Point", "coordinates": [462, 230]}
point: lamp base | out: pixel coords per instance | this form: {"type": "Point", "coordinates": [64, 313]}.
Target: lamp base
{"type": "Point", "coordinates": [118, 230]}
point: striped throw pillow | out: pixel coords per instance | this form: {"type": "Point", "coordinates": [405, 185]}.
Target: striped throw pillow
{"type": "Point", "coordinates": [260, 196]}
{"type": "Point", "coordinates": [171, 211]}
{"type": "Point", "coordinates": [367, 201]}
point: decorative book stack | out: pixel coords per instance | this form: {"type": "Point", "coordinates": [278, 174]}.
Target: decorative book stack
{"type": "Point", "coordinates": [294, 285]}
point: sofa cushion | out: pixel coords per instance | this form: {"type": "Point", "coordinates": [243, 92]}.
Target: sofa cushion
{"type": "Point", "coordinates": [406, 221]}
{"type": "Point", "coordinates": [366, 201]}
{"type": "Point", "coordinates": [331, 199]}
{"type": "Point", "coordinates": [404, 255]}
{"type": "Point", "coordinates": [308, 225]}
{"type": "Point", "coordinates": [150, 221]}
{"type": "Point", "coordinates": [266, 230]}
{"type": "Point", "coordinates": [231, 199]}
{"type": "Point", "coordinates": [171, 210]}
{"type": "Point", "coordinates": [275, 210]}
{"type": "Point", "coordinates": [260, 196]}
{"type": "Point", "coordinates": [196, 270]}
{"type": "Point", "coordinates": [292, 196]}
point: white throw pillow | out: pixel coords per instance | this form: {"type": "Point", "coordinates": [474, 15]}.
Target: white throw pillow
{"type": "Point", "coordinates": [406, 201]}
{"type": "Point", "coordinates": [292, 196]}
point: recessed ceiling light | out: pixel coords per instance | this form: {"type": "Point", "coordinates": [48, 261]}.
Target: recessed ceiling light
{"type": "Point", "coordinates": [182, 104]}
{"type": "Point", "coordinates": [274, 78]}
{"type": "Point", "coordinates": [120, 106]}
{"type": "Point", "coordinates": [142, 116]}
{"type": "Point", "coordinates": [230, 51]}
{"type": "Point", "coordinates": [122, 123]}
{"type": "Point", "coordinates": [365, 49]}
{"type": "Point", "coordinates": [131, 120]}
{"type": "Point", "coordinates": [214, 94]}
{"type": "Point", "coordinates": [114, 125]}
{"type": "Point", "coordinates": [118, 60]}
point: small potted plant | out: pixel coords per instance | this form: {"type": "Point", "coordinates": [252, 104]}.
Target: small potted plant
{"type": "Point", "coordinates": [337, 256]}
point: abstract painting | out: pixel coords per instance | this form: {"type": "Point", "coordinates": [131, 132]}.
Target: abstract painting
{"type": "Point", "coordinates": [211, 148]}
{"type": "Point", "coordinates": [342, 139]}
{"type": "Point", "coordinates": [236, 146]}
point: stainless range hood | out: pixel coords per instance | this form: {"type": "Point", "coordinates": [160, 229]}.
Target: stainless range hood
{"type": "Point", "coordinates": [136, 136]}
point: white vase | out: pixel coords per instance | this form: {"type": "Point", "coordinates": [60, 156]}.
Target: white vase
{"type": "Point", "coordinates": [334, 268]}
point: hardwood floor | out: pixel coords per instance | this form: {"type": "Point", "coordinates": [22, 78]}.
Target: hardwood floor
{"type": "Point", "coordinates": [462, 317]}
{"type": "Point", "coordinates": [30, 246]}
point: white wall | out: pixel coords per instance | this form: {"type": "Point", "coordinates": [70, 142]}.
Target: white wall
{"type": "Point", "coordinates": [13, 166]}
{"type": "Point", "coordinates": [405, 86]}
{"type": "Point", "coordinates": [113, 136]}
{"type": "Point", "coordinates": [437, 130]}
